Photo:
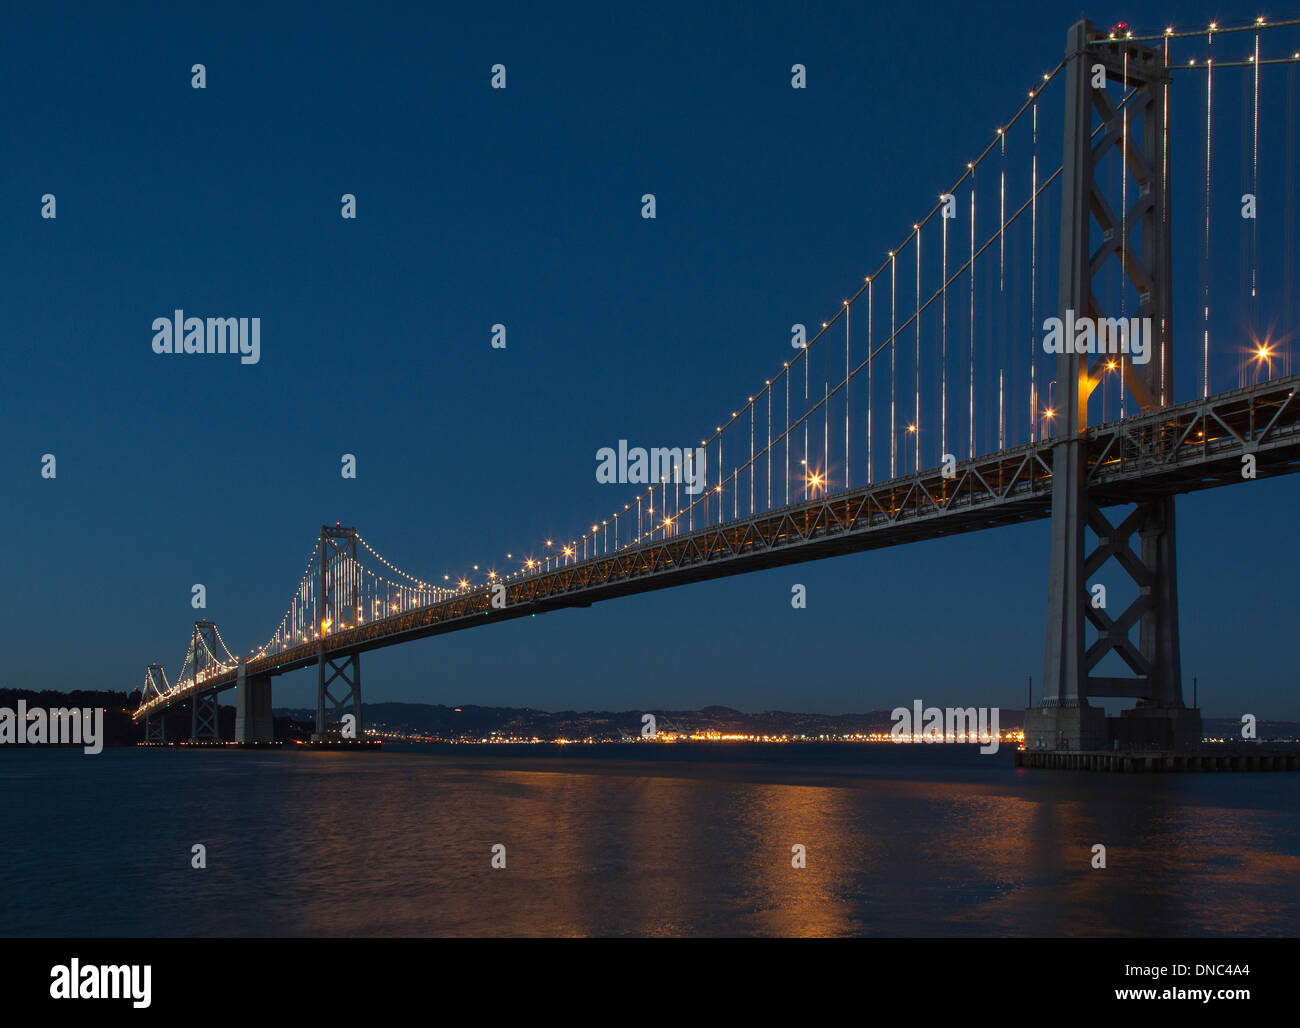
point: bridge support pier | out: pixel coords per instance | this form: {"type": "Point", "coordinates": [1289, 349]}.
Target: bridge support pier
{"type": "Point", "coordinates": [348, 705]}
{"type": "Point", "coordinates": [155, 731]}
{"type": "Point", "coordinates": [253, 721]}
{"type": "Point", "coordinates": [204, 723]}
{"type": "Point", "coordinates": [1135, 134]}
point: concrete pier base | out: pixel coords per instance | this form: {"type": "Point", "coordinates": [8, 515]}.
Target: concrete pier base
{"type": "Point", "coordinates": [253, 722]}
{"type": "Point", "coordinates": [1146, 727]}
{"type": "Point", "coordinates": [1202, 759]}
{"type": "Point", "coordinates": [1081, 727]}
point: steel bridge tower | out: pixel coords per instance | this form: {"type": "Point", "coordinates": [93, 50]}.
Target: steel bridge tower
{"type": "Point", "coordinates": [1133, 231]}
{"type": "Point", "coordinates": [338, 582]}
{"type": "Point", "coordinates": [155, 728]}
{"type": "Point", "coordinates": [204, 723]}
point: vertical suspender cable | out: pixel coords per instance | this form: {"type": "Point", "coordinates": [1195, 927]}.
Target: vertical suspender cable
{"type": "Point", "coordinates": [1205, 254]}
{"type": "Point", "coordinates": [1002, 287]}
{"type": "Point", "coordinates": [916, 465]}
{"type": "Point", "coordinates": [1033, 287]}
{"type": "Point", "coordinates": [1254, 222]}
{"type": "Point", "coordinates": [1123, 228]}
{"type": "Point", "coordinates": [971, 420]}
{"type": "Point", "coordinates": [1288, 247]}
{"type": "Point", "coordinates": [893, 373]}
{"type": "Point", "coordinates": [943, 332]}
{"type": "Point", "coordinates": [870, 364]}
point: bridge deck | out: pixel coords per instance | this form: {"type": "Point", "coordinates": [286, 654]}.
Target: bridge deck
{"type": "Point", "coordinates": [1182, 448]}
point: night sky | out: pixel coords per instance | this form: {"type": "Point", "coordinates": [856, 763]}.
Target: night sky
{"type": "Point", "coordinates": [522, 207]}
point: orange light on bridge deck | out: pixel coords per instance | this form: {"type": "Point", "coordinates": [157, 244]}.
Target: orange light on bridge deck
{"type": "Point", "coordinates": [464, 584]}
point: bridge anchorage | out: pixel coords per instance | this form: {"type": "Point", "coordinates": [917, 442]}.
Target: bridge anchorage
{"type": "Point", "coordinates": [1134, 134]}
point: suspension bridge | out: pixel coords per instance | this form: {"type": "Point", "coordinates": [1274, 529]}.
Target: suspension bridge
{"type": "Point", "coordinates": [944, 405]}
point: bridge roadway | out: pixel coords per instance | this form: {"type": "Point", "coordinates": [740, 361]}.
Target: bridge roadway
{"type": "Point", "coordinates": [1182, 448]}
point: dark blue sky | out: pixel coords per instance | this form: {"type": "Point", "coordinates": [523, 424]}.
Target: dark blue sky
{"type": "Point", "coordinates": [478, 206]}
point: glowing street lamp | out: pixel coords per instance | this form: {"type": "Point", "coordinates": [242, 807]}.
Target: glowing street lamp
{"type": "Point", "coordinates": [1264, 356]}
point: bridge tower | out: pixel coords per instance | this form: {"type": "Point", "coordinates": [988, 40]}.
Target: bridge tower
{"type": "Point", "coordinates": [337, 598]}
{"type": "Point", "coordinates": [1132, 230]}
{"type": "Point", "coordinates": [203, 706]}
{"type": "Point", "coordinates": [155, 683]}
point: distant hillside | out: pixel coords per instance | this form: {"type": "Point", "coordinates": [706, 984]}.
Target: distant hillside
{"type": "Point", "coordinates": [470, 721]}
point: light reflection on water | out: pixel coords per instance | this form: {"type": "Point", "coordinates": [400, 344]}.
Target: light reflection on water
{"type": "Point", "coordinates": [900, 841]}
